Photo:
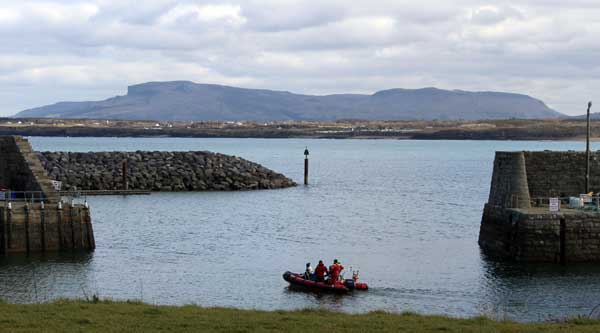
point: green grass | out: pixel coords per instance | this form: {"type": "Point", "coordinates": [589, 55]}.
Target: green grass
{"type": "Point", "coordinates": [108, 316]}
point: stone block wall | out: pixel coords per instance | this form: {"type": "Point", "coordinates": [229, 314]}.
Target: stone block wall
{"type": "Point", "coordinates": [522, 235]}
{"type": "Point", "coordinates": [510, 229]}
{"type": "Point", "coordinates": [21, 170]}
{"type": "Point", "coordinates": [559, 173]}
{"type": "Point", "coordinates": [509, 181]}
{"type": "Point", "coordinates": [542, 174]}
{"type": "Point", "coordinates": [36, 225]}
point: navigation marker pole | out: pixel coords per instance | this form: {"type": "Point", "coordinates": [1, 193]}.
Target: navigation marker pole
{"type": "Point", "coordinates": [306, 166]}
{"type": "Point", "coordinates": [587, 151]}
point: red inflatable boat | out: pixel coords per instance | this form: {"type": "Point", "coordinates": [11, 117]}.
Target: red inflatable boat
{"type": "Point", "coordinates": [297, 280]}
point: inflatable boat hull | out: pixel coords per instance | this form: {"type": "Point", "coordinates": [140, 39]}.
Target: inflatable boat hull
{"type": "Point", "coordinates": [298, 280]}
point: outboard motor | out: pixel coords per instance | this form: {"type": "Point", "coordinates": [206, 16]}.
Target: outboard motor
{"type": "Point", "coordinates": [349, 283]}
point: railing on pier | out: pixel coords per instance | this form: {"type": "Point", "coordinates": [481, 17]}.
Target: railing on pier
{"type": "Point", "coordinates": [79, 193]}
{"type": "Point", "coordinates": [22, 196]}
{"type": "Point", "coordinates": [593, 205]}
{"type": "Point", "coordinates": [31, 197]}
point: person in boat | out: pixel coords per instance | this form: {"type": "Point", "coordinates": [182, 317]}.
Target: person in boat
{"type": "Point", "coordinates": [321, 272]}
{"type": "Point", "coordinates": [309, 272]}
{"type": "Point", "coordinates": [334, 271]}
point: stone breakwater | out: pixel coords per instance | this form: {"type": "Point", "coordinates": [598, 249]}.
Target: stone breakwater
{"type": "Point", "coordinates": [159, 171]}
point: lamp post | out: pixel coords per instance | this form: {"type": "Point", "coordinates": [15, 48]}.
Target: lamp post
{"type": "Point", "coordinates": [587, 151]}
{"type": "Point", "coordinates": [306, 166]}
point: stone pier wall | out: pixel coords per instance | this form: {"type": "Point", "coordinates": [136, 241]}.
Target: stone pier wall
{"type": "Point", "coordinates": [512, 228]}
{"type": "Point", "coordinates": [36, 224]}
{"type": "Point", "coordinates": [547, 174]}
{"type": "Point", "coordinates": [159, 171]}
{"type": "Point", "coordinates": [509, 181]}
{"type": "Point", "coordinates": [529, 236]}
{"type": "Point", "coordinates": [20, 168]}
{"type": "Point", "coordinates": [30, 228]}
{"type": "Point", "coordinates": [560, 173]}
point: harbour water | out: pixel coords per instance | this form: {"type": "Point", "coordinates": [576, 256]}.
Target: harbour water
{"type": "Point", "coordinates": [405, 213]}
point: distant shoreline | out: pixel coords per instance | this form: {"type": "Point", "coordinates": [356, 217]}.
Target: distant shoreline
{"type": "Point", "coordinates": [499, 130]}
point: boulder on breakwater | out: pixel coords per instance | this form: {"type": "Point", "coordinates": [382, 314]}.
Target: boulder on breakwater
{"type": "Point", "coordinates": [159, 171]}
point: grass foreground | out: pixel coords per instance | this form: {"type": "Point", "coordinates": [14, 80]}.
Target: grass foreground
{"type": "Point", "coordinates": [109, 316]}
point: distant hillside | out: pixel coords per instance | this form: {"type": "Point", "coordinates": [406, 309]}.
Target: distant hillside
{"type": "Point", "coordinates": [593, 115]}
{"type": "Point", "coordinates": [183, 100]}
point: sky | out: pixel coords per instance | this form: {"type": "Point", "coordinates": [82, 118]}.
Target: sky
{"type": "Point", "coordinates": [67, 50]}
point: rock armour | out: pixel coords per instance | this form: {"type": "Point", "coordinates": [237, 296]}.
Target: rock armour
{"type": "Point", "coordinates": [159, 171]}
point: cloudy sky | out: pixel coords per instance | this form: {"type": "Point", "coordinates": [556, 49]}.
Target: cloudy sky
{"type": "Point", "coordinates": [88, 50]}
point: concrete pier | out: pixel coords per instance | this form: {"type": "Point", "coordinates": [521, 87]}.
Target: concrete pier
{"type": "Point", "coordinates": [517, 223]}
{"type": "Point", "coordinates": [32, 216]}
{"type": "Point", "coordinates": [535, 235]}
{"type": "Point", "coordinates": [26, 229]}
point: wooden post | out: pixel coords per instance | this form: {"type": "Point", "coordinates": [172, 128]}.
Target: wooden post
{"type": "Point", "coordinates": [2, 231]}
{"type": "Point", "coordinates": [43, 225]}
{"type": "Point", "coordinates": [125, 182]}
{"type": "Point", "coordinates": [71, 212]}
{"type": "Point", "coordinates": [59, 223]}
{"type": "Point", "coordinates": [563, 241]}
{"type": "Point", "coordinates": [306, 166]}
{"type": "Point", "coordinates": [80, 222]}
{"type": "Point", "coordinates": [9, 214]}
{"type": "Point", "coordinates": [27, 217]}
{"type": "Point", "coordinates": [3, 218]}
{"type": "Point", "coordinates": [89, 229]}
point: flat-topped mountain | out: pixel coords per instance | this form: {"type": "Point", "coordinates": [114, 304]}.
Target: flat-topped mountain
{"type": "Point", "coordinates": [184, 100]}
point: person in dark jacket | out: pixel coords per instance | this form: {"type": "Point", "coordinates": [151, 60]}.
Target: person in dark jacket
{"type": "Point", "coordinates": [321, 272]}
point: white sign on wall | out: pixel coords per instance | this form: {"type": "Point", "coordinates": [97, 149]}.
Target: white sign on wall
{"type": "Point", "coordinates": [57, 185]}
{"type": "Point", "coordinates": [554, 204]}
{"type": "Point", "coordinates": [586, 198]}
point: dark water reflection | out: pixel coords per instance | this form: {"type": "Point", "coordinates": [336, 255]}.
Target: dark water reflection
{"type": "Point", "coordinates": [406, 213]}
{"type": "Point", "coordinates": [43, 277]}
{"type": "Point", "coordinates": [554, 291]}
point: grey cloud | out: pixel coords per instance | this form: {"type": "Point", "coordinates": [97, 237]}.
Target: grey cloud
{"type": "Point", "coordinates": [278, 16]}
{"type": "Point", "coordinates": [132, 12]}
{"type": "Point", "coordinates": [78, 50]}
{"type": "Point", "coordinates": [491, 15]}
